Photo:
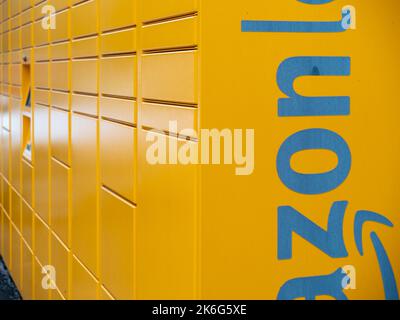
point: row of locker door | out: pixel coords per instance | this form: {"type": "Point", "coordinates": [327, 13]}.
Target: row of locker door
{"type": "Point", "coordinates": [112, 15]}
{"type": "Point", "coordinates": [175, 80]}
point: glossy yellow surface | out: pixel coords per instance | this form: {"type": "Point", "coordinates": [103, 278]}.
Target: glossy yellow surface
{"type": "Point", "coordinates": [84, 220]}
{"type": "Point", "coordinates": [117, 245]}
{"type": "Point", "coordinates": [118, 150]}
{"type": "Point", "coordinates": [239, 215]}
{"type": "Point", "coordinates": [115, 227]}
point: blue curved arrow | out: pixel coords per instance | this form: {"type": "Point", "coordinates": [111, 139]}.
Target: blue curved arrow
{"type": "Point", "coordinates": [388, 278]}
{"type": "Point", "coordinates": [361, 218]}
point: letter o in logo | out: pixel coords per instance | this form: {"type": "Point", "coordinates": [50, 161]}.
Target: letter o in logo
{"type": "Point", "coordinates": [314, 139]}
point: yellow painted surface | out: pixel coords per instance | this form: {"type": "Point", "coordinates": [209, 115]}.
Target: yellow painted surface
{"type": "Point", "coordinates": [117, 76]}
{"type": "Point", "coordinates": [176, 80]}
{"type": "Point", "coordinates": [27, 224]}
{"type": "Point", "coordinates": [84, 220]}
{"type": "Point", "coordinates": [239, 215]}
{"type": "Point", "coordinates": [123, 41]}
{"type": "Point", "coordinates": [60, 200]}
{"type": "Point", "coordinates": [117, 245]}
{"type": "Point", "coordinates": [60, 260]}
{"type": "Point", "coordinates": [117, 14]}
{"type": "Point", "coordinates": [117, 149]}
{"type": "Point", "coordinates": [83, 285]}
{"type": "Point", "coordinates": [114, 226]}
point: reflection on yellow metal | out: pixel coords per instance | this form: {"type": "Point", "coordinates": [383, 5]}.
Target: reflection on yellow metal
{"type": "Point", "coordinates": [313, 80]}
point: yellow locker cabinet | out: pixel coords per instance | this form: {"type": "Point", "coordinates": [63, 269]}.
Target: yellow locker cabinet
{"type": "Point", "coordinates": [274, 139]}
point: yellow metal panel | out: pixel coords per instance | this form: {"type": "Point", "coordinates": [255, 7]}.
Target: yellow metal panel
{"type": "Point", "coordinates": [157, 9]}
{"type": "Point", "coordinates": [84, 19]}
{"type": "Point", "coordinates": [15, 39]}
{"type": "Point", "coordinates": [59, 260]}
{"type": "Point", "coordinates": [86, 47]}
{"type": "Point", "coordinates": [27, 223]}
{"type": "Point", "coordinates": [25, 4]}
{"type": "Point", "coordinates": [5, 74]}
{"type": "Point", "coordinates": [27, 180]}
{"type": "Point", "coordinates": [38, 2]}
{"type": "Point", "coordinates": [41, 75]}
{"type": "Point", "coordinates": [5, 154]}
{"type": "Point", "coordinates": [26, 36]}
{"type": "Point", "coordinates": [15, 92]}
{"type": "Point", "coordinates": [41, 161]}
{"type": "Point", "coordinates": [59, 51]}
{"type": "Point", "coordinates": [117, 146]}
{"type": "Point", "coordinates": [117, 13]}
{"type": "Point", "coordinates": [40, 35]}
{"type": "Point", "coordinates": [61, 31]}
{"type": "Point", "coordinates": [4, 10]}
{"type": "Point", "coordinates": [60, 200]}
{"type": "Point", "coordinates": [168, 118]}
{"type": "Point", "coordinates": [42, 97]}
{"type": "Point", "coordinates": [37, 9]}
{"type": "Point", "coordinates": [84, 285]}
{"type": "Point", "coordinates": [16, 74]}
{"type": "Point", "coordinates": [60, 76]}
{"type": "Point", "coordinates": [84, 76]}
{"type": "Point", "coordinates": [60, 4]}
{"type": "Point", "coordinates": [165, 228]}
{"type": "Point", "coordinates": [176, 76]}
{"type": "Point", "coordinates": [5, 42]}
{"type": "Point", "coordinates": [60, 100]}
{"type": "Point", "coordinates": [60, 140]}
{"type": "Point", "coordinates": [84, 191]}
{"type": "Point", "coordinates": [16, 209]}
{"type": "Point", "coordinates": [42, 241]}
{"type": "Point", "coordinates": [15, 143]}
{"type": "Point", "coordinates": [118, 109]}
{"type": "Point", "coordinates": [117, 251]}
{"type": "Point", "coordinates": [117, 76]}
{"type": "Point", "coordinates": [26, 17]}
{"type": "Point", "coordinates": [14, 7]}
{"type": "Point", "coordinates": [84, 104]}
{"type": "Point", "coordinates": [42, 53]}
{"type": "Point", "coordinates": [119, 42]}
{"type": "Point", "coordinates": [6, 197]}
{"type": "Point", "coordinates": [15, 22]}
